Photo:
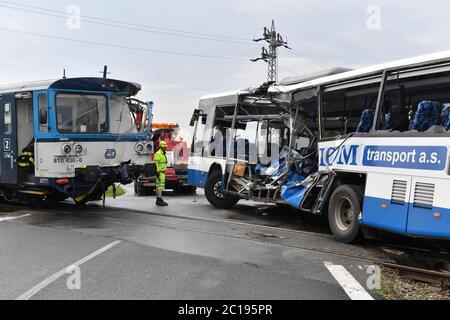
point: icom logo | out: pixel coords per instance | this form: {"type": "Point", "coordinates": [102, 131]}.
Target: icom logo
{"type": "Point", "coordinates": [110, 154]}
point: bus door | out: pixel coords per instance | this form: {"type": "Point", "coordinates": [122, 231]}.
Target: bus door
{"type": "Point", "coordinates": [8, 127]}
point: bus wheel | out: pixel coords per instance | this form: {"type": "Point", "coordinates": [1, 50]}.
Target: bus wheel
{"type": "Point", "coordinates": [343, 213]}
{"type": "Point", "coordinates": [214, 193]}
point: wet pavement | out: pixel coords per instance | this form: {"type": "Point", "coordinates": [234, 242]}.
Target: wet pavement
{"type": "Point", "coordinates": [186, 251]}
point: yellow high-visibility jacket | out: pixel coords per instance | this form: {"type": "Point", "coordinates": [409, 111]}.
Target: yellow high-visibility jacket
{"type": "Point", "coordinates": [161, 161]}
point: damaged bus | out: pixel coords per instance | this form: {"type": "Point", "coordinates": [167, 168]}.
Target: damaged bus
{"type": "Point", "coordinates": [78, 137]}
{"type": "Point", "coordinates": [368, 147]}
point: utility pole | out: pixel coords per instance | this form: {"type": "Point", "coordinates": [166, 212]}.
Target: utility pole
{"type": "Point", "coordinates": [105, 72]}
{"type": "Point", "coordinates": [275, 40]}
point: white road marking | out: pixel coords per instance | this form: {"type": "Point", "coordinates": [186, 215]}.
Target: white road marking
{"type": "Point", "coordinates": [27, 295]}
{"type": "Point", "coordinates": [351, 287]}
{"type": "Point", "coordinates": [14, 218]}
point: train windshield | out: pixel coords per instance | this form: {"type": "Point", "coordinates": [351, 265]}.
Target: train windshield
{"type": "Point", "coordinates": [82, 113]}
{"type": "Point", "coordinates": [122, 119]}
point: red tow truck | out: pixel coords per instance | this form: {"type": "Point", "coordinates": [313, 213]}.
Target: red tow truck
{"type": "Point", "coordinates": [177, 158]}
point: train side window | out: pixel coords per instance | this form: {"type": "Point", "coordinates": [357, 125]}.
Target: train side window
{"type": "Point", "coordinates": [30, 112]}
{"type": "Point", "coordinates": [43, 113]}
{"type": "Point", "coordinates": [7, 121]}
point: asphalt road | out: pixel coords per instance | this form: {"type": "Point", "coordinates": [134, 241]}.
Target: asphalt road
{"type": "Point", "coordinates": [132, 250]}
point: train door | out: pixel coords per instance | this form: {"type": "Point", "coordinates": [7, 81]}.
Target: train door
{"type": "Point", "coordinates": [8, 127]}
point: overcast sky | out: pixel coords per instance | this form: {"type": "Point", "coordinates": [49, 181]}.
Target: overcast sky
{"type": "Point", "coordinates": [334, 32]}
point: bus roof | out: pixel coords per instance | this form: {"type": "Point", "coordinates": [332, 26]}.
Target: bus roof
{"type": "Point", "coordinates": [226, 98]}
{"type": "Point", "coordinates": [371, 70]}
{"type": "Point", "coordinates": [220, 95]}
{"type": "Point", "coordinates": [308, 77]}
{"type": "Point", "coordinates": [82, 84]}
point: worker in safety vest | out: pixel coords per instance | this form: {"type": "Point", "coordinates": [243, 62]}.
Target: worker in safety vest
{"type": "Point", "coordinates": [26, 158]}
{"type": "Point", "coordinates": [161, 168]}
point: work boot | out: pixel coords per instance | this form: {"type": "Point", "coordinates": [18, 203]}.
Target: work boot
{"type": "Point", "coordinates": [160, 203]}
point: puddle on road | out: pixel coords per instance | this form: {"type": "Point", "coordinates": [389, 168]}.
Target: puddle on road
{"type": "Point", "coordinates": [66, 216]}
{"type": "Point", "coordinates": [278, 217]}
{"type": "Point", "coordinates": [6, 209]}
{"type": "Point", "coordinates": [73, 222]}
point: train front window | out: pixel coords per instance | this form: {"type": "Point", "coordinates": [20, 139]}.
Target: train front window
{"type": "Point", "coordinates": [81, 113]}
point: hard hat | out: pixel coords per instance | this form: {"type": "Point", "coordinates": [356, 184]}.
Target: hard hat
{"type": "Point", "coordinates": [163, 144]}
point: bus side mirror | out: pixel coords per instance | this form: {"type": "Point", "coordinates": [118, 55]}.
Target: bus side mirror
{"type": "Point", "coordinates": [195, 117]}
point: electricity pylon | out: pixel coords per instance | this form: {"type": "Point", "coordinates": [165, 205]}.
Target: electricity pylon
{"type": "Point", "coordinates": [275, 40]}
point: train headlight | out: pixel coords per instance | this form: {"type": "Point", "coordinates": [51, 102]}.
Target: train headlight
{"type": "Point", "coordinates": [149, 148]}
{"type": "Point", "coordinates": [67, 149]}
{"type": "Point", "coordinates": [139, 148]}
{"type": "Point", "coordinates": [78, 149]}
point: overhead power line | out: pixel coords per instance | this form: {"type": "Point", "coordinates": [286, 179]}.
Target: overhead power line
{"type": "Point", "coordinates": [310, 59]}
{"type": "Point", "coordinates": [103, 44]}
{"type": "Point", "coordinates": [146, 28]}
{"type": "Point", "coordinates": [126, 25]}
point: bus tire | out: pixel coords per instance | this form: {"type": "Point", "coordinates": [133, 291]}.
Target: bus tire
{"type": "Point", "coordinates": [343, 213]}
{"type": "Point", "coordinates": [213, 192]}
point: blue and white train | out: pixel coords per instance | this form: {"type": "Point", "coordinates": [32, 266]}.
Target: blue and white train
{"type": "Point", "coordinates": [85, 134]}
{"type": "Point", "coordinates": [368, 147]}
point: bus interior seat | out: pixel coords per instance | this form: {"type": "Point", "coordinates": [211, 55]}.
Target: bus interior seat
{"type": "Point", "coordinates": [397, 119]}
{"type": "Point", "coordinates": [428, 114]}
{"type": "Point", "coordinates": [446, 121]}
{"type": "Point", "coordinates": [277, 166]}
{"type": "Point", "coordinates": [366, 123]}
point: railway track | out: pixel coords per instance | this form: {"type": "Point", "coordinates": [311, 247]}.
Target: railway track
{"type": "Point", "coordinates": [407, 267]}
{"type": "Point", "coordinates": [441, 278]}
{"type": "Point", "coordinates": [419, 274]}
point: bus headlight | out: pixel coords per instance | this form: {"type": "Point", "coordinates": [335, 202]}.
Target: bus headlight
{"type": "Point", "coordinates": [149, 148]}
{"type": "Point", "coordinates": [139, 148]}
{"type": "Point", "coordinates": [78, 149]}
{"type": "Point", "coordinates": [67, 149]}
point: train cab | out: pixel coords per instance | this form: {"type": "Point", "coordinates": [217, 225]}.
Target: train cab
{"type": "Point", "coordinates": [72, 138]}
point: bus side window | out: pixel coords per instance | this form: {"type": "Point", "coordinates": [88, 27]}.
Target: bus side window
{"type": "Point", "coordinates": [333, 108]}
{"type": "Point", "coordinates": [43, 113]}
{"type": "Point", "coordinates": [394, 113]}
{"type": "Point", "coordinates": [343, 111]}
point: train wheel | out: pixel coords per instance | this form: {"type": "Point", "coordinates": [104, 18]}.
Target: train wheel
{"type": "Point", "coordinates": [214, 194]}
{"type": "Point", "coordinates": [343, 213]}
